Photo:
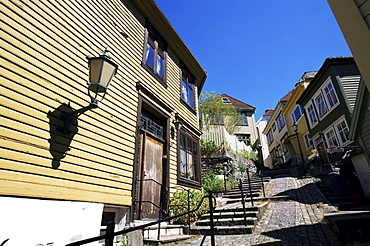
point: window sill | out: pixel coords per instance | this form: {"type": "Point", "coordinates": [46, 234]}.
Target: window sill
{"type": "Point", "coordinates": [189, 183]}
{"type": "Point", "coordinates": [188, 106]}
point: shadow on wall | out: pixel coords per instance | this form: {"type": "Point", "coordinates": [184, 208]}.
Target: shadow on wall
{"type": "Point", "coordinates": [59, 142]}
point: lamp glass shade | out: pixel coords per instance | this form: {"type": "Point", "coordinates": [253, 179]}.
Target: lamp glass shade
{"type": "Point", "coordinates": [101, 72]}
{"type": "Point", "coordinates": [295, 127]}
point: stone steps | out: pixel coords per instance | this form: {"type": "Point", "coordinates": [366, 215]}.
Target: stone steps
{"type": "Point", "coordinates": [224, 230]}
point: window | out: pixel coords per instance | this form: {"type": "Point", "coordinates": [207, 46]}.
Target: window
{"type": "Point", "coordinates": [320, 105]}
{"type": "Point", "coordinates": [331, 95]}
{"type": "Point", "coordinates": [246, 138]}
{"type": "Point", "coordinates": [270, 137]}
{"type": "Point", "coordinates": [187, 88]}
{"type": "Point", "coordinates": [312, 118]}
{"type": "Point", "coordinates": [274, 127]}
{"type": "Point", "coordinates": [343, 132]}
{"type": "Point", "coordinates": [280, 122]}
{"type": "Point", "coordinates": [225, 100]}
{"type": "Point", "coordinates": [189, 158]}
{"type": "Point", "coordinates": [297, 113]}
{"type": "Point", "coordinates": [307, 140]}
{"type": "Point", "coordinates": [154, 59]}
{"type": "Point", "coordinates": [242, 119]}
{"type": "Point", "coordinates": [331, 138]}
{"type": "Point", "coordinates": [326, 99]}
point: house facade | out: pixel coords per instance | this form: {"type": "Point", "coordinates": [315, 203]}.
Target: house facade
{"type": "Point", "coordinates": [354, 22]}
{"type": "Point", "coordinates": [118, 159]}
{"type": "Point", "coordinates": [298, 141]}
{"type": "Point", "coordinates": [262, 139]}
{"type": "Point", "coordinates": [329, 103]}
{"type": "Point", "coordinates": [353, 19]}
{"type": "Point", "coordinates": [276, 132]}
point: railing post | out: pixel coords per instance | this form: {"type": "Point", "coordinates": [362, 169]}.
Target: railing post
{"type": "Point", "coordinates": [243, 200]}
{"type": "Point", "coordinates": [263, 186]}
{"type": "Point", "coordinates": [188, 211]}
{"type": "Point", "coordinates": [250, 187]}
{"type": "Point", "coordinates": [109, 234]}
{"type": "Point", "coordinates": [212, 226]}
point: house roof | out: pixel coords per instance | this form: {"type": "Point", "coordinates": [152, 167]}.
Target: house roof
{"type": "Point", "coordinates": [328, 62]}
{"type": "Point", "coordinates": [286, 97]}
{"type": "Point", "coordinates": [268, 112]}
{"type": "Point", "coordinates": [237, 103]}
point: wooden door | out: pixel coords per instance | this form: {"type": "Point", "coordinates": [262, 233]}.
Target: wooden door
{"type": "Point", "coordinates": [151, 165]}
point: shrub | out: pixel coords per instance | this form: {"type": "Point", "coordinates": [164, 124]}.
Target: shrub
{"type": "Point", "coordinates": [179, 204]}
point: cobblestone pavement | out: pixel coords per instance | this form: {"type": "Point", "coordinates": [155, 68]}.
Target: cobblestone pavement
{"type": "Point", "coordinates": [289, 222]}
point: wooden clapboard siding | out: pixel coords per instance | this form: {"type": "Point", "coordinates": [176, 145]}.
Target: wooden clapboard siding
{"type": "Point", "coordinates": [43, 66]}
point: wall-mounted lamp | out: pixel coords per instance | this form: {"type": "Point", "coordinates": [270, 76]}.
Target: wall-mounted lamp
{"type": "Point", "coordinates": [178, 125]}
{"type": "Point", "coordinates": [101, 72]}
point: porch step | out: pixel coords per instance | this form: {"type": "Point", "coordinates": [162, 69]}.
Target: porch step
{"type": "Point", "coordinates": [224, 230]}
{"type": "Point", "coordinates": [228, 221]}
{"type": "Point", "coordinates": [350, 224]}
{"type": "Point", "coordinates": [164, 240]}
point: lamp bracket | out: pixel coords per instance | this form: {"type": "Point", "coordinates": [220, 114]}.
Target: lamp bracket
{"type": "Point", "coordinates": [70, 117]}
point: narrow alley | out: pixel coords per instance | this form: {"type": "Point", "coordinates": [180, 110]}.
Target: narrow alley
{"type": "Point", "coordinates": [298, 220]}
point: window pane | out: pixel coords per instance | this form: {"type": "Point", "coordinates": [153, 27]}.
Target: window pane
{"type": "Point", "coordinates": [183, 162]}
{"type": "Point", "coordinates": [331, 95]}
{"type": "Point", "coordinates": [149, 56]}
{"type": "Point", "coordinates": [321, 106]}
{"type": "Point", "coordinates": [343, 132]}
{"type": "Point", "coordinates": [190, 96]}
{"type": "Point", "coordinates": [160, 66]}
{"type": "Point", "coordinates": [184, 94]}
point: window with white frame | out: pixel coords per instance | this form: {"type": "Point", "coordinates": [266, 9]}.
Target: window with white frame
{"type": "Point", "coordinates": [307, 140]}
{"type": "Point", "coordinates": [331, 138]}
{"type": "Point", "coordinates": [330, 94]}
{"type": "Point", "coordinates": [343, 132]}
{"type": "Point", "coordinates": [326, 98]}
{"type": "Point", "coordinates": [320, 105]}
{"type": "Point", "coordinates": [311, 114]}
{"type": "Point", "coordinates": [280, 121]}
{"type": "Point", "coordinates": [297, 113]}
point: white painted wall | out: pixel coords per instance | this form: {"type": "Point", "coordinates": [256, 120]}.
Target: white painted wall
{"type": "Point", "coordinates": [30, 222]}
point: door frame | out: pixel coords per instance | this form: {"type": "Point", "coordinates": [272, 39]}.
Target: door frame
{"type": "Point", "coordinates": [165, 118]}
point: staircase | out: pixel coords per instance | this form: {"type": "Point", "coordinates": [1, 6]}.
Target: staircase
{"type": "Point", "coordinates": [168, 233]}
{"type": "Point", "coordinates": [230, 219]}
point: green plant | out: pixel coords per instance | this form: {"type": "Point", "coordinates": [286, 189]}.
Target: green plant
{"type": "Point", "coordinates": [122, 240]}
{"type": "Point", "coordinates": [179, 204]}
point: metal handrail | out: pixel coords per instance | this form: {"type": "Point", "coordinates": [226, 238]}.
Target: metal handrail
{"type": "Point", "coordinates": [125, 231]}
{"type": "Point", "coordinates": [160, 209]}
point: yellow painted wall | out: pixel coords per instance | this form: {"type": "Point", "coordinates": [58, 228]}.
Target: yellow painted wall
{"type": "Point", "coordinates": [43, 65]}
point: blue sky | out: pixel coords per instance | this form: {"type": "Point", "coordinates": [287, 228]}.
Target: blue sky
{"type": "Point", "coordinates": [256, 50]}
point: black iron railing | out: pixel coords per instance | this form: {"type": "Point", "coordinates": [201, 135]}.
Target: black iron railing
{"type": "Point", "coordinates": [110, 234]}
{"type": "Point", "coordinates": [161, 211]}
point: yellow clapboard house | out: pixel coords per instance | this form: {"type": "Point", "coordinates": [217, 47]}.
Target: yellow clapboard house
{"type": "Point", "coordinates": [146, 128]}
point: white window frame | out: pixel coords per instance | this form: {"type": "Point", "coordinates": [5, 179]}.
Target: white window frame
{"type": "Point", "coordinates": [331, 138]}
{"type": "Point", "coordinates": [309, 118]}
{"type": "Point", "coordinates": [300, 108]}
{"type": "Point", "coordinates": [308, 140]}
{"type": "Point", "coordinates": [334, 128]}
{"type": "Point", "coordinates": [320, 104]}
{"type": "Point", "coordinates": [332, 94]}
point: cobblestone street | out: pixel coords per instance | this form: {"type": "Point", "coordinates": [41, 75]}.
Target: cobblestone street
{"type": "Point", "coordinates": [291, 222]}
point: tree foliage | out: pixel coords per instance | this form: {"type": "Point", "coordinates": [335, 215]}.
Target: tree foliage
{"type": "Point", "coordinates": [214, 110]}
